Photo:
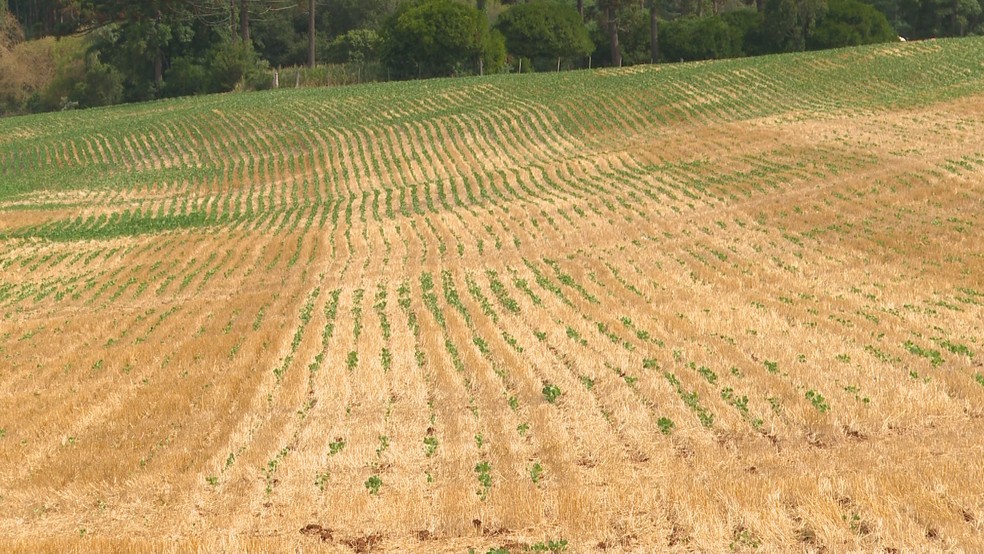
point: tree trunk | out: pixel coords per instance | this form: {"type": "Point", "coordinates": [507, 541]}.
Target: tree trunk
{"type": "Point", "coordinates": [311, 31]}
{"type": "Point", "coordinates": [580, 8]}
{"type": "Point", "coordinates": [244, 20]}
{"type": "Point", "coordinates": [653, 32]}
{"type": "Point", "coordinates": [158, 67]}
{"type": "Point", "coordinates": [232, 20]}
{"type": "Point", "coordinates": [760, 6]}
{"type": "Point", "coordinates": [158, 55]}
{"type": "Point", "coordinates": [613, 34]}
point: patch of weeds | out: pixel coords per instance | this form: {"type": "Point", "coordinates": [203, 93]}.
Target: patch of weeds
{"type": "Point", "coordinates": [321, 480]}
{"type": "Point", "coordinates": [430, 446]}
{"type": "Point", "coordinates": [551, 393]}
{"type": "Point", "coordinates": [536, 472]}
{"type": "Point", "coordinates": [818, 401]}
{"type": "Point", "coordinates": [384, 443]}
{"type": "Point", "coordinates": [691, 400]}
{"type": "Point", "coordinates": [550, 546]}
{"type": "Point", "coordinates": [955, 348]}
{"type": "Point", "coordinates": [743, 538]}
{"type": "Point", "coordinates": [775, 403]}
{"type": "Point", "coordinates": [386, 358]}
{"type": "Point", "coordinates": [882, 356]}
{"type": "Point", "coordinates": [665, 425]}
{"type": "Point", "coordinates": [934, 356]}
{"type": "Point", "coordinates": [741, 403]}
{"type": "Point", "coordinates": [372, 484]}
{"type": "Point", "coordinates": [484, 471]}
{"type": "Point", "coordinates": [575, 336]}
{"type": "Point", "coordinates": [706, 372]}
{"type": "Point", "coordinates": [511, 341]}
{"type": "Point", "coordinates": [336, 446]}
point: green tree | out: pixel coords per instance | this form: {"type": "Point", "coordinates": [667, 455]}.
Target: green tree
{"type": "Point", "coordinates": [701, 38]}
{"type": "Point", "coordinates": [494, 52]}
{"type": "Point", "coordinates": [938, 18]}
{"type": "Point", "coordinates": [40, 18]}
{"type": "Point", "coordinates": [850, 23]}
{"type": "Point", "coordinates": [357, 46]}
{"type": "Point", "coordinates": [138, 45]}
{"type": "Point", "coordinates": [281, 37]}
{"type": "Point", "coordinates": [435, 38]}
{"type": "Point", "coordinates": [545, 29]}
{"type": "Point", "coordinates": [339, 17]}
{"type": "Point", "coordinates": [748, 23]}
{"type": "Point", "coordinates": [789, 22]}
{"type": "Point", "coordinates": [610, 22]}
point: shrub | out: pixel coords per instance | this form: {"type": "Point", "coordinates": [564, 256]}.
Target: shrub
{"type": "Point", "coordinates": [544, 30]}
{"type": "Point", "coordinates": [185, 77]}
{"type": "Point", "coordinates": [357, 46]}
{"type": "Point", "coordinates": [434, 38]}
{"type": "Point", "coordinates": [233, 64]}
{"type": "Point", "coordinates": [25, 71]}
{"type": "Point", "coordinates": [80, 78]}
{"type": "Point", "coordinates": [700, 38]}
{"type": "Point", "coordinates": [850, 23]}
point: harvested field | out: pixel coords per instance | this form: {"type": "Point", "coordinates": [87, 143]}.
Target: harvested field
{"type": "Point", "coordinates": [718, 306]}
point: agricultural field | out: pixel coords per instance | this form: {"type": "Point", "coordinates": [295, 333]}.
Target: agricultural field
{"type": "Point", "coordinates": [728, 306]}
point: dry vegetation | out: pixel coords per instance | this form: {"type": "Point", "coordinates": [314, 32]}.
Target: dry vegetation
{"type": "Point", "coordinates": [26, 68]}
{"type": "Point", "coordinates": [734, 305]}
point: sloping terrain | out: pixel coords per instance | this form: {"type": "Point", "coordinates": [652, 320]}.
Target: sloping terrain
{"type": "Point", "coordinates": [732, 305]}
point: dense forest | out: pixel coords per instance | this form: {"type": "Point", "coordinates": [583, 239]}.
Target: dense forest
{"type": "Point", "coordinates": [59, 54]}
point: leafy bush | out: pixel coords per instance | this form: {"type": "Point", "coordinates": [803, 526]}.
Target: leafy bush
{"type": "Point", "coordinates": [80, 79]}
{"type": "Point", "coordinates": [434, 38]}
{"type": "Point", "coordinates": [494, 52]}
{"type": "Point", "coordinates": [544, 30]}
{"type": "Point", "coordinates": [748, 24]}
{"type": "Point", "coordinates": [850, 23]}
{"type": "Point", "coordinates": [102, 85]}
{"type": "Point", "coordinates": [357, 46]}
{"type": "Point", "coordinates": [26, 68]}
{"type": "Point", "coordinates": [185, 77]}
{"type": "Point", "coordinates": [700, 38]}
{"type": "Point", "coordinates": [233, 64]}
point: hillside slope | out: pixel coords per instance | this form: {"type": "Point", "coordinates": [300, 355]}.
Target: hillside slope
{"type": "Point", "coordinates": [730, 305]}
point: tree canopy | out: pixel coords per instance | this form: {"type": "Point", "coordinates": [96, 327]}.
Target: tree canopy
{"type": "Point", "coordinates": [435, 38]}
{"type": "Point", "coordinates": [545, 29]}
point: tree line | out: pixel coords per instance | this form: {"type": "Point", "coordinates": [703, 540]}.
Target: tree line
{"type": "Point", "coordinates": [135, 50]}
